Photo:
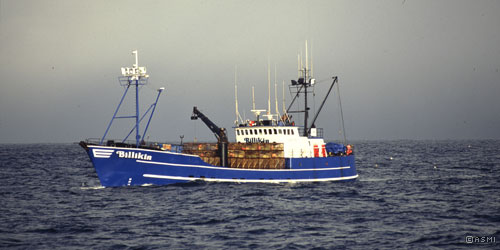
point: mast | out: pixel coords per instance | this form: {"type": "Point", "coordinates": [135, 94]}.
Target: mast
{"type": "Point", "coordinates": [134, 76]}
{"type": "Point", "coordinates": [305, 81]}
{"type": "Point", "coordinates": [268, 87]}
{"type": "Point", "coordinates": [307, 58]}
{"type": "Point", "coordinates": [236, 95]}
{"type": "Point", "coordinates": [253, 97]}
{"type": "Point", "coordinates": [137, 136]}
{"type": "Point", "coordinates": [276, 92]}
{"type": "Point", "coordinates": [312, 61]}
{"type": "Point", "coordinates": [306, 109]}
{"type": "Point", "coordinates": [236, 103]}
{"type": "Point", "coordinates": [283, 97]}
{"type": "Point", "coordinates": [298, 65]}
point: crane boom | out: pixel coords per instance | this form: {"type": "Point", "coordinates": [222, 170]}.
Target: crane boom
{"type": "Point", "coordinates": [220, 133]}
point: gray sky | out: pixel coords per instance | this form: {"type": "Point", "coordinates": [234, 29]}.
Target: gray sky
{"type": "Point", "coordinates": [426, 69]}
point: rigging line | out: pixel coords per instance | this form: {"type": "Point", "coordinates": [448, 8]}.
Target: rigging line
{"type": "Point", "coordinates": [341, 114]}
{"type": "Point", "coordinates": [298, 105]}
{"type": "Point", "coordinates": [140, 120]}
{"type": "Point", "coordinates": [314, 100]}
{"type": "Point", "coordinates": [323, 80]}
{"type": "Point", "coordinates": [294, 96]}
{"type": "Point", "coordinates": [339, 128]}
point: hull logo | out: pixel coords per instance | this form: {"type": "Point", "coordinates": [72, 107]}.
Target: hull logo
{"type": "Point", "coordinates": [134, 155]}
{"type": "Point", "coordinates": [102, 153]}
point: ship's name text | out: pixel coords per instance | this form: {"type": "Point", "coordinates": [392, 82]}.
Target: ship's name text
{"type": "Point", "coordinates": [256, 140]}
{"type": "Point", "coordinates": [134, 155]}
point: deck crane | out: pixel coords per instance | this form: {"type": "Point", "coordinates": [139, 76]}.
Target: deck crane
{"type": "Point", "coordinates": [220, 134]}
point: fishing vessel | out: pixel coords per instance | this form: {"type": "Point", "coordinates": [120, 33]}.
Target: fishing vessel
{"type": "Point", "coordinates": [270, 148]}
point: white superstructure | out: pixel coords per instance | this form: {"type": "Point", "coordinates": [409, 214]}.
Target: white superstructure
{"type": "Point", "coordinates": [304, 141]}
{"type": "Point", "coordinates": [295, 145]}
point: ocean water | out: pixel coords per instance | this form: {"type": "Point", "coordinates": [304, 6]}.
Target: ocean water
{"type": "Point", "coordinates": [410, 194]}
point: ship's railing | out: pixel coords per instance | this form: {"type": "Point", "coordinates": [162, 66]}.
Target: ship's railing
{"type": "Point", "coordinates": [163, 146]}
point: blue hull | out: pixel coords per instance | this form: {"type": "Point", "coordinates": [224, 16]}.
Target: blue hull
{"type": "Point", "coordinates": [117, 166]}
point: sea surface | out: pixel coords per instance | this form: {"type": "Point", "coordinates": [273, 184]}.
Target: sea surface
{"type": "Point", "coordinates": [409, 195]}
